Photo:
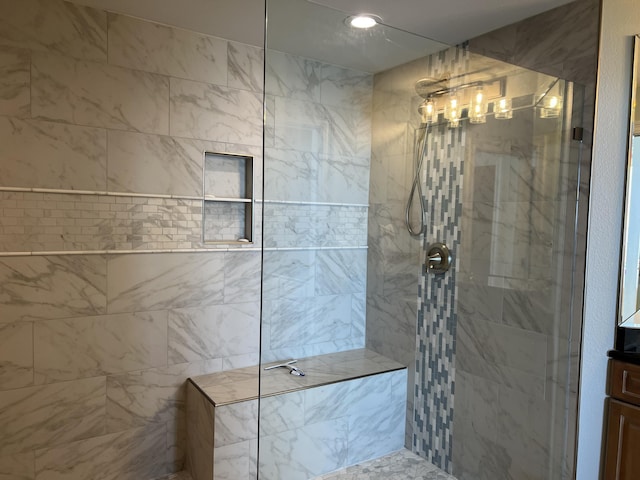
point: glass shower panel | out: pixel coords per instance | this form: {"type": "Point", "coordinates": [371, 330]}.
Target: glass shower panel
{"type": "Point", "coordinates": [470, 369]}
{"type": "Point", "coordinates": [319, 83]}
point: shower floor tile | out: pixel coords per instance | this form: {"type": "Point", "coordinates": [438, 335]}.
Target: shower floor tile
{"type": "Point", "coordinates": [402, 465]}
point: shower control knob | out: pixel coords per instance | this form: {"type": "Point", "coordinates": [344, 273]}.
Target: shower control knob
{"type": "Point", "coordinates": [438, 258]}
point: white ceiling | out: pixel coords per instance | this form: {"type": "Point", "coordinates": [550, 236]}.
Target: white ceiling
{"type": "Point", "coordinates": [316, 30]}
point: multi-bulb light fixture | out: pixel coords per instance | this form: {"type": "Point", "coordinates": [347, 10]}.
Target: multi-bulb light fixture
{"type": "Point", "coordinates": [471, 101]}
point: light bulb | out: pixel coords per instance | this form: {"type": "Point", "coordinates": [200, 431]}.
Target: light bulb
{"type": "Point", "coordinates": [478, 107]}
{"type": "Point", "coordinates": [552, 107]}
{"type": "Point", "coordinates": [362, 21]}
{"type": "Point", "coordinates": [427, 110]}
{"type": "Point", "coordinates": [502, 108]}
{"type": "Point", "coordinates": [452, 111]}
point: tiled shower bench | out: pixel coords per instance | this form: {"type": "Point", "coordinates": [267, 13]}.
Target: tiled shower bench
{"type": "Point", "coordinates": [348, 408]}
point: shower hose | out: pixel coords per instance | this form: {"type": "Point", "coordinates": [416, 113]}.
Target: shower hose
{"type": "Point", "coordinates": [416, 188]}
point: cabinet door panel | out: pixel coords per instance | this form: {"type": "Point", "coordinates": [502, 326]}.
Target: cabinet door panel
{"type": "Point", "coordinates": [623, 440]}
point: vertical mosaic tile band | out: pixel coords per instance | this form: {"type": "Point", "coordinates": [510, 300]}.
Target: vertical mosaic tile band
{"type": "Point", "coordinates": [435, 352]}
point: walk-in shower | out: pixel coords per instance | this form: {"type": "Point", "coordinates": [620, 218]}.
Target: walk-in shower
{"type": "Point", "coordinates": [387, 155]}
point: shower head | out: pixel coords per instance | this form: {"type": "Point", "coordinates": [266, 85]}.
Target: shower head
{"type": "Point", "coordinates": [426, 87]}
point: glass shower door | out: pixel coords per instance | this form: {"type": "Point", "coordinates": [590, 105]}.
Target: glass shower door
{"type": "Point", "coordinates": [475, 366]}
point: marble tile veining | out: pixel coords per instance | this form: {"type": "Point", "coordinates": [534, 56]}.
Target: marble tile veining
{"type": "Point", "coordinates": [44, 154]}
{"type": "Point", "coordinates": [20, 466]}
{"type": "Point", "coordinates": [48, 415]}
{"type": "Point", "coordinates": [292, 77]}
{"type": "Point", "coordinates": [155, 395]}
{"type": "Point", "coordinates": [99, 95]}
{"type": "Point", "coordinates": [94, 346]}
{"type": "Point", "coordinates": [15, 78]}
{"type": "Point", "coordinates": [55, 26]}
{"type": "Point", "coordinates": [156, 48]}
{"type": "Point", "coordinates": [213, 332]}
{"type": "Point", "coordinates": [153, 282]}
{"type": "Point", "coordinates": [16, 355]}
{"type": "Point", "coordinates": [52, 287]}
{"type": "Point", "coordinates": [215, 113]}
{"type": "Point", "coordinates": [129, 455]}
{"type": "Point", "coordinates": [142, 163]}
{"type": "Point", "coordinates": [246, 67]}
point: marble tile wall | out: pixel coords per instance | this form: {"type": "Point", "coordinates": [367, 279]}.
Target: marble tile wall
{"type": "Point", "coordinates": [316, 187]}
{"type": "Point", "coordinates": [394, 257]}
{"type": "Point", "coordinates": [312, 432]}
{"type": "Point", "coordinates": [499, 323]}
{"type": "Point", "coordinates": [95, 348]}
{"type": "Point", "coordinates": [95, 105]}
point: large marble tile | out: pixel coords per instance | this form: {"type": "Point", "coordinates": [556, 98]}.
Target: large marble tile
{"type": "Point", "coordinates": [42, 154]}
{"type": "Point", "coordinates": [16, 355]}
{"type": "Point", "coordinates": [15, 78]}
{"type": "Point", "coordinates": [372, 398]}
{"type": "Point", "coordinates": [341, 271]}
{"type": "Point", "coordinates": [476, 406]}
{"type": "Point", "coordinates": [213, 332]}
{"type": "Point", "coordinates": [516, 379]}
{"type": "Point", "coordinates": [242, 276]}
{"type": "Point", "coordinates": [20, 466]}
{"type": "Point", "coordinates": [308, 321]}
{"type": "Point", "coordinates": [129, 455]}
{"type": "Point", "coordinates": [529, 310]}
{"type": "Point", "coordinates": [291, 175]}
{"type": "Point", "coordinates": [358, 315]}
{"type": "Point", "coordinates": [343, 179]}
{"type": "Point", "coordinates": [236, 461]}
{"type": "Point", "coordinates": [524, 430]}
{"type": "Point", "coordinates": [294, 175]}
{"type": "Point", "coordinates": [164, 281]}
{"type": "Point", "coordinates": [288, 274]}
{"type": "Point", "coordinates": [50, 287]}
{"type": "Point", "coordinates": [328, 402]}
{"type": "Point", "coordinates": [55, 26]}
{"type": "Point", "coordinates": [152, 47]}
{"type": "Point", "coordinates": [292, 77]}
{"type": "Point", "coordinates": [245, 67]}
{"type": "Point", "coordinates": [98, 95]}
{"type": "Point", "coordinates": [305, 452]}
{"type": "Point", "coordinates": [504, 345]}
{"type": "Point", "coordinates": [235, 423]}
{"type": "Point", "coordinates": [155, 395]}
{"type": "Point", "coordinates": [322, 129]}
{"type": "Point", "coordinates": [37, 417]}
{"type": "Point", "coordinates": [342, 87]}
{"type": "Point", "coordinates": [280, 413]}
{"type": "Point", "coordinates": [391, 328]}
{"type": "Point", "coordinates": [141, 163]}
{"type": "Point", "coordinates": [200, 418]}
{"type": "Point", "coordinates": [93, 346]}
{"type": "Point", "coordinates": [216, 113]}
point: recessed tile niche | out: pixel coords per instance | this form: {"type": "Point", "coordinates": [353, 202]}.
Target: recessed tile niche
{"type": "Point", "coordinates": [228, 198]}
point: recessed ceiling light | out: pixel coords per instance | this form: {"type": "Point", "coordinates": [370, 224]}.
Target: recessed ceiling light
{"type": "Point", "coordinates": [363, 21]}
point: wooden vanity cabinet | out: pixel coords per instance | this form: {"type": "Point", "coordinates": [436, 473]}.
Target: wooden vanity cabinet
{"type": "Point", "coordinates": [622, 455]}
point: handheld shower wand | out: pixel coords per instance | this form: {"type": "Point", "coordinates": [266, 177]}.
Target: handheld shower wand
{"type": "Point", "coordinates": [416, 188]}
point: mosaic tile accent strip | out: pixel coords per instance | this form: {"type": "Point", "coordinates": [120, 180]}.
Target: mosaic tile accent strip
{"type": "Point", "coordinates": [34, 222]}
{"type": "Point", "coordinates": [437, 315]}
{"type": "Point", "coordinates": [309, 225]}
